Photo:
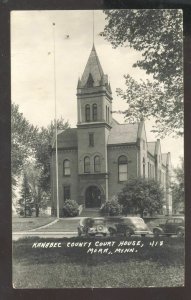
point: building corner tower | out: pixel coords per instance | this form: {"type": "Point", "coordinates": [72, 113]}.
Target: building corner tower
{"type": "Point", "coordinates": [94, 106]}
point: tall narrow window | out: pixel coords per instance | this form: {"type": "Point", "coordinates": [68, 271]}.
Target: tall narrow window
{"type": "Point", "coordinates": [66, 167]}
{"type": "Point", "coordinates": [122, 168]}
{"type": "Point", "coordinates": [87, 112]}
{"type": "Point", "coordinates": [97, 165]}
{"type": "Point", "coordinates": [94, 112]}
{"type": "Point", "coordinates": [91, 139]}
{"type": "Point", "coordinates": [86, 164]}
{"type": "Point", "coordinates": [66, 192]}
{"type": "Point", "coordinates": [143, 167]}
{"type": "Point", "coordinates": [149, 170]}
{"type": "Point", "coordinates": [106, 113]}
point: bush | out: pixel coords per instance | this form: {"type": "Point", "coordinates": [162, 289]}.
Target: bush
{"type": "Point", "coordinates": [70, 208]}
{"type": "Point", "coordinates": [111, 208]}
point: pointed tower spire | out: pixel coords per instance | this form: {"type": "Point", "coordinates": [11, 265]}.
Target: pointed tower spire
{"type": "Point", "coordinates": [94, 68]}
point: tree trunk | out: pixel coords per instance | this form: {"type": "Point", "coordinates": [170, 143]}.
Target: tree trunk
{"type": "Point", "coordinates": [37, 211]}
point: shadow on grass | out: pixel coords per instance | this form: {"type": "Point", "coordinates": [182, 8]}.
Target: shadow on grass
{"type": "Point", "coordinates": [171, 253]}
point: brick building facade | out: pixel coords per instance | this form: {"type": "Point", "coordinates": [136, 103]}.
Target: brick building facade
{"type": "Point", "coordinates": [97, 157]}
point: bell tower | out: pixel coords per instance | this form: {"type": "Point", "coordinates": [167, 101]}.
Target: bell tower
{"type": "Point", "coordinates": [94, 101]}
{"type": "Point", "coordinates": [94, 88]}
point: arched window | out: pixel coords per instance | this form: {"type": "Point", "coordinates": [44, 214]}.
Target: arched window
{"type": "Point", "coordinates": [94, 112]}
{"type": "Point", "coordinates": [66, 167]}
{"type": "Point", "coordinates": [87, 112]}
{"type": "Point", "coordinates": [97, 164]}
{"type": "Point", "coordinates": [86, 164]}
{"type": "Point", "coordinates": [122, 168]}
{"type": "Point", "coordinates": [143, 167]}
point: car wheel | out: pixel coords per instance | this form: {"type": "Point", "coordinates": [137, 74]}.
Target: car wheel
{"type": "Point", "coordinates": [156, 233]}
{"type": "Point", "coordinates": [111, 231]}
{"type": "Point", "coordinates": [143, 235]}
{"type": "Point", "coordinates": [128, 233]}
{"type": "Point", "coordinates": [180, 233]}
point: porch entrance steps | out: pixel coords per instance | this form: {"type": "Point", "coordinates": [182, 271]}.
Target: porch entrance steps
{"type": "Point", "coordinates": [91, 213]}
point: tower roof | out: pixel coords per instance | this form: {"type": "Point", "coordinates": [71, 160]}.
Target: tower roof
{"type": "Point", "coordinates": [93, 70]}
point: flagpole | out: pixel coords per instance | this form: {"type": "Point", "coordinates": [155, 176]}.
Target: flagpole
{"type": "Point", "coordinates": [93, 27]}
{"type": "Point", "coordinates": [55, 109]}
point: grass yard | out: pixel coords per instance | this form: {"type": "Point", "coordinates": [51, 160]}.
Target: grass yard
{"type": "Point", "coordinates": [23, 224]}
{"type": "Point", "coordinates": [73, 267]}
{"type": "Point", "coordinates": [63, 225]}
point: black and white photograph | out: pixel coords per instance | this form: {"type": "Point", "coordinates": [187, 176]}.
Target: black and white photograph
{"type": "Point", "coordinates": [97, 148]}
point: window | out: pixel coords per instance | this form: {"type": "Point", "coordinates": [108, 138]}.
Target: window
{"type": "Point", "coordinates": [149, 170]}
{"type": "Point", "coordinates": [90, 81]}
{"type": "Point", "coordinates": [122, 168]}
{"type": "Point", "coordinates": [94, 112]}
{"type": "Point", "coordinates": [86, 164]}
{"type": "Point", "coordinates": [106, 113]}
{"type": "Point", "coordinates": [91, 139]}
{"type": "Point", "coordinates": [66, 192]}
{"type": "Point", "coordinates": [143, 144]}
{"type": "Point", "coordinates": [97, 165]}
{"type": "Point", "coordinates": [159, 176]}
{"type": "Point", "coordinates": [170, 221]}
{"type": "Point", "coordinates": [66, 168]}
{"type": "Point", "coordinates": [87, 112]}
{"type": "Point", "coordinates": [178, 221]}
{"type": "Point", "coordinates": [143, 167]}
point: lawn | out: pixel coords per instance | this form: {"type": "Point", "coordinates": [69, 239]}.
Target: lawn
{"type": "Point", "coordinates": [63, 225]}
{"type": "Point", "coordinates": [71, 267]}
{"type": "Point", "coordinates": [23, 224]}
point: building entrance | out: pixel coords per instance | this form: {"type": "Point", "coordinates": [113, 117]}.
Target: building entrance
{"type": "Point", "coordinates": [93, 197]}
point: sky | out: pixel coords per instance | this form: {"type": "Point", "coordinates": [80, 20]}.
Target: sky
{"type": "Point", "coordinates": [32, 66]}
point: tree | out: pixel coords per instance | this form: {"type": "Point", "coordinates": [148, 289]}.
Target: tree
{"type": "Point", "coordinates": [25, 203]}
{"type": "Point", "coordinates": [157, 34]}
{"type": "Point", "coordinates": [177, 187]}
{"type": "Point", "coordinates": [39, 197]}
{"type": "Point", "coordinates": [140, 194]}
{"type": "Point", "coordinates": [23, 136]}
{"type": "Point", "coordinates": [43, 150]}
{"type": "Point", "coordinates": [112, 207]}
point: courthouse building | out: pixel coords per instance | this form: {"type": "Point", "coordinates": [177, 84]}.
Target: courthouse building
{"type": "Point", "coordinates": [96, 158]}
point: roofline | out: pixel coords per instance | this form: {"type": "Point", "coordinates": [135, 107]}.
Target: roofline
{"type": "Point", "coordinates": [122, 144]}
{"type": "Point", "coordinates": [65, 148]}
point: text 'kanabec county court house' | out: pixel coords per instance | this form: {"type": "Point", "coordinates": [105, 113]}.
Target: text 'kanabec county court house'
{"type": "Point", "coordinates": [100, 155]}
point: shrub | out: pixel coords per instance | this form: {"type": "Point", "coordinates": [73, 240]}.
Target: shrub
{"type": "Point", "coordinates": [70, 208]}
{"type": "Point", "coordinates": [141, 194]}
{"type": "Point", "coordinates": [111, 208]}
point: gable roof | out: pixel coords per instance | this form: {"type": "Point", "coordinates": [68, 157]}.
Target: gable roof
{"type": "Point", "coordinates": [94, 68]}
{"type": "Point", "coordinates": [151, 146]}
{"type": "Point", "coordinates": [67, 138]}
{"type": "Point", "coordinates": [123, 133]}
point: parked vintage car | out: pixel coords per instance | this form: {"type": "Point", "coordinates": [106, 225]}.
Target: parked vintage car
{"type": "Point", "coordinates": [173, 225]}
{"type": "Point", "coordinates": [127, 226]}
{"type": "Point", "coordinates": [92, 227]}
